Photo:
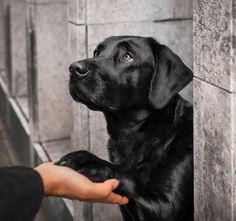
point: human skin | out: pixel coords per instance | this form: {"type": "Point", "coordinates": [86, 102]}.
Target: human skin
{"type": "Point", "coordinates": [62, 181]}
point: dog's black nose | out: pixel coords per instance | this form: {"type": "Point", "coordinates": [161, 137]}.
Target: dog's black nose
{"type": "Point", "coordinates": [78, 68]}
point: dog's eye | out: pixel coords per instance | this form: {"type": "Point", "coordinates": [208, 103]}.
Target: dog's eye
{"type": "Point", "coordinates": [95, 54]}
{"type": "Point", "coordinates": [127, 57]}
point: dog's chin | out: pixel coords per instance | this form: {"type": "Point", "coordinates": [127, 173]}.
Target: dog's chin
{"type": "Point", "coordinates": [81, 98]}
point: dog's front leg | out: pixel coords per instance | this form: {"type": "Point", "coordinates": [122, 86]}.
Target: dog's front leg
{"type": "Point", "coordinates": [131, 185]}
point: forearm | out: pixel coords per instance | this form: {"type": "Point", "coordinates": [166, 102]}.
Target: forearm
{"type": "Point", "coordinates": [21, 191]}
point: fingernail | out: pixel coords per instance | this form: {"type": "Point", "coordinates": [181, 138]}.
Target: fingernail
{"type": "Point", "coordinates": [126, 200]}
{"type": "Point", "coordinates": [115, 184]}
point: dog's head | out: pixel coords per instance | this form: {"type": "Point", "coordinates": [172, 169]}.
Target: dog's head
{"type": "Point", "coordinates": [128, 72]}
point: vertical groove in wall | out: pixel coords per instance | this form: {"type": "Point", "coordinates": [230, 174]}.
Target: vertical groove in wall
{"type": "Point", "coordinates": [232, 158]}
{"type": "Point", "coordinates": [86, 52]}
{"type": "Point", "coordinates": [234, 8]}
{"type": "Point", "coordinates": [233, 43]}
{"type": "Point", "coordinates": [233, 115]}
{"type": "Point", "coordinates": [233, 49]}
{"type": "Point", "coordinates": [32, 78]}
{"type": "Point", "coordinates": [88, 112]}
{"type": "Point", "coordinates": [7, 28]}
{"type": "Point", "coordinates": [89, 206]}
{"type": "Point", "coordinates": [32, 73]}
{"type": "Point", "coordinates": [231, 102]}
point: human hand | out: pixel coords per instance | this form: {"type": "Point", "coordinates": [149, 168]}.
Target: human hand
{"type": "Point", "coordinates": [64, 182]}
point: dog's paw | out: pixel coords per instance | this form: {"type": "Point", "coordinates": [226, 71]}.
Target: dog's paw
{"type": "Point", "coordinates": [87, 164]}
{"type": "Point", "coordinates": [77, 159]}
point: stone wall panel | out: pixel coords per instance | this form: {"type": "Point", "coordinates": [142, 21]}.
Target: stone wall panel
{"type": "Point", "coordinates": [1, 36]}
{"type": "Point", "coordinates": [51, 48]}
{"type": "Point", "coordinates": [213, 152]}
{"type": "Point", "coordinates": [18, 83]}
{"type": "Point", "coordinates": [129, 10]}
{"type": "Point", "coordinates": [212, 41]}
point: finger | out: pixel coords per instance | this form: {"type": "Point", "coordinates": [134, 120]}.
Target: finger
{"type": "Point", "coordinates": [103, 190]}
{"type": "Point", "coordinates": [114, 198]}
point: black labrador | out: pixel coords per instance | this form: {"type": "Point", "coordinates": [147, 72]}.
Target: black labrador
{"type": "Point", "coordinates": [135, 82]}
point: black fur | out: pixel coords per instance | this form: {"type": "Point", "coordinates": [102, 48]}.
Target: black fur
{"type": "Point", "coordinates": [135, 82]}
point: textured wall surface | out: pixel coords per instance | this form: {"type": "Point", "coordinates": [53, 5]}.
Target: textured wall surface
{"type": "Point", "coordinates": [169, 21]}
{"type": "Point", "coordinates": [1, 37]}
{"type": "Point", "coordinates": [18, 83]}
{"type": "Point", "coordinates": [213, 42]}
{"type": "Point", "coordinates": [214, 110]}
{"type": "Point", "coordinates": [48, 56]}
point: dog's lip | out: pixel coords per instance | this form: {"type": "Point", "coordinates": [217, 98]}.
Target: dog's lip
{"type": "Point", "coordinates": [73, 76]}
{"type": "Point", "coordinates": [78, 96]}
{"type": "Point", "coordinates": [110, 108]}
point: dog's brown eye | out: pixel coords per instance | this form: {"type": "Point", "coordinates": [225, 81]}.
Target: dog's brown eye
{"type": "Point", "coordinates": [127, 58]}
{"type": "Point", "coordinates": [95, 54]}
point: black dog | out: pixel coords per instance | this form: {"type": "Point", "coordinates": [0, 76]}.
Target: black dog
{"type": "Point", "coordinates": [135, 82]}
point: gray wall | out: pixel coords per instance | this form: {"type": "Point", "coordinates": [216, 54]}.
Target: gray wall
{"type": "Point", "coordinates": [18, 82]}
{"type": "Point", "coordinates": [47, 40]}
{"type": "Point", "coordinates": [34, 99]}
{"type": "Point", "coordinates": [214, 109]}
{"type": "Point", "coordinates": [38, 106]}
{"type": "Point", "coordinates": [1, 37]}
{"type": "Point", "coordinates": [89, 22]}
{"type": "Point", "coordinates": [35, 50]}
{"type": "Point", "coordinates": [169, 21]}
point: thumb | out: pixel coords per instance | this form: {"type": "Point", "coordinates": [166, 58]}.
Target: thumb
{"type": "Point", "coordinates": [112, 183]}
{"type": "Point", "coordinates": [105, 189]}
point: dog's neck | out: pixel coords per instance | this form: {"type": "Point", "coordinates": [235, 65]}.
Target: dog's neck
{"type": "Point", "coordinates": [131, 122]}
{"type": "Point", "coordinates": [131, 131]}
{"type": "Point", "coordinates": [129, 119]}
{"type": "Point", "coordinates": [125, 120]}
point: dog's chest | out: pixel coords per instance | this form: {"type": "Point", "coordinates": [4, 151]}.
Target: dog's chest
{"type": "Point", "coordinates": [118, 150]}
{"type": "Point", "coordinates": [128, 150]}
{"type": "Point", "coordinates": [121, 149]}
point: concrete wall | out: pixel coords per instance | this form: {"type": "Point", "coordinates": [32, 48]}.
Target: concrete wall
{"type": "Point", "coordinates": [214, 109]}
{"type": "Point", "coordinates": [1, 37]}
{"type": "Point", "coordinates": [37, 60]}
{"type": "Point", "coordinates": [91, 21]}
{"type": "Point", "coordinates": [17, 28]}
{"type": "Point", "coordinates": [34, 55]}
{"type": "Point", "coordinates": [47, 37]}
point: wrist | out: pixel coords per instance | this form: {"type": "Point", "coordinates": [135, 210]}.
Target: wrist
{"type": "Point", "coordinates": [49, 182]}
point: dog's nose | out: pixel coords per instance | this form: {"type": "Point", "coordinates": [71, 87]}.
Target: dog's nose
{"type": "Point", "coordinates": [78, 68]}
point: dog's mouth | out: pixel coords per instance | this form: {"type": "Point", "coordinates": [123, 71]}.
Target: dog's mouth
{"type": "Point", "coordinates": [80, 96]}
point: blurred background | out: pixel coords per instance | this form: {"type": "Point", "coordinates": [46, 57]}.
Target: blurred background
{"type": "Point", "coordinates": [38, 40]}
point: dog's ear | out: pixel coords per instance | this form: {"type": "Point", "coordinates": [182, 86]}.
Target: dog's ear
{"type": "Point", "coordinates": [171, 75]}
